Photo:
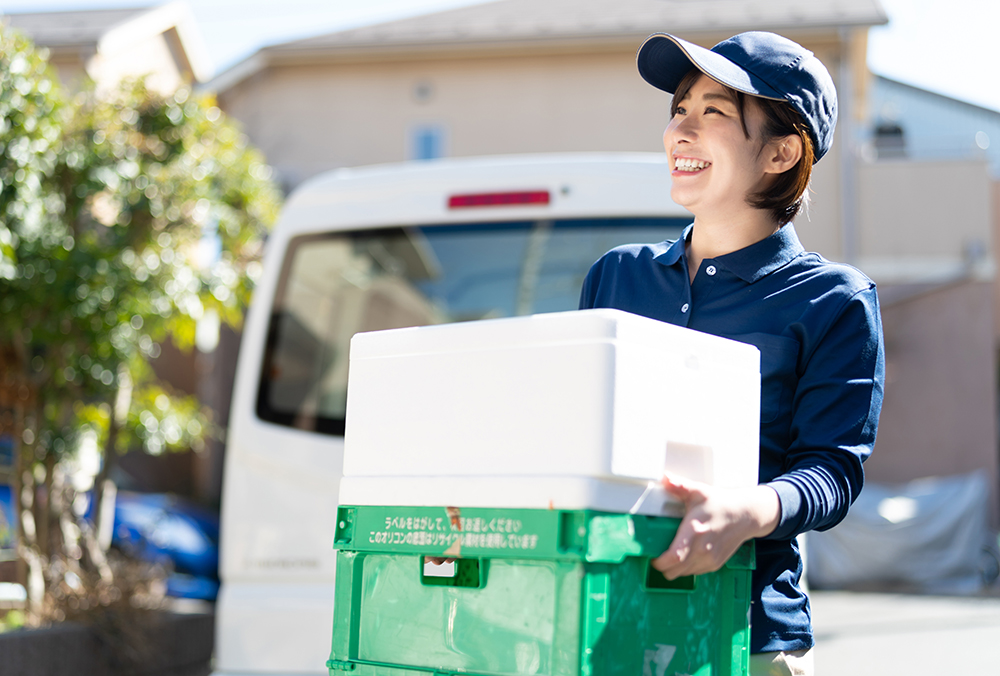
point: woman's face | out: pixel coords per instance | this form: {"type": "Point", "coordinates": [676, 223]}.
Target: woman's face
{"type": "Point", "coordinates": [713, 164]}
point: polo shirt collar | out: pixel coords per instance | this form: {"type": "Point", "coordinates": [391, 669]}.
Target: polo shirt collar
{"type": "Point", "coordinates": [750, 263]}
{"type": "Point", "coordinates": [764, 257]}
{"type": "Point", "coordinates": [673, 251]}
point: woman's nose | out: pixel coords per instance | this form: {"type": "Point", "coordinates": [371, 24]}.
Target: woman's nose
{"type": "Point", "coordinates": [682, 128]}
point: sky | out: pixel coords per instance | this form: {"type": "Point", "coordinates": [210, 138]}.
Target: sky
{"type": "Point", "coordinates": [946, 46]}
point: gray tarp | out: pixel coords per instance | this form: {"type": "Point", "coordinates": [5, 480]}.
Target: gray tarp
{"type": "Point", "coordinates": [930, 535]}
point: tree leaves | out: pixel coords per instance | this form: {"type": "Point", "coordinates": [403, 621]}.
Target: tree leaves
{"type": "Point", "coordinates": [30, 125]}
{"type": "Point", "coordinates": [124, 218]}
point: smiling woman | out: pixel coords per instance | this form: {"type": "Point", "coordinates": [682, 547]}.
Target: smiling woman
{"type": "Point", "coordinates": [749, 118]}
{"type": "Point", "coordinates": [715, 155]}
{"type": "Point", "coordinates": [783, 192]}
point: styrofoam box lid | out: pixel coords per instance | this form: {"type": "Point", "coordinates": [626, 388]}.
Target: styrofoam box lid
{"type": "Point", "coordinates": [556, 327]}
{"type": "Point", "coordinates": [584, 407]}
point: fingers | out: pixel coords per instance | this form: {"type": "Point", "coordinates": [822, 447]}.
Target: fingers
{"type": "Point", "coordinates": [683, 489]}
{"type": "Point", "coordinates": [686, 561]}
{"type": "Point", "coordinates": [671, 562]}
{"type": "Point", "coordinates": [675, 562]}
{"type": "Point", "coordinates": [438, 560]}
{"type": "Point", "coordinates": [695, 550]}
{"type": "Point", "coordinates": [675, 487]}
{"type": "Point", "coordinates": [716, 522]}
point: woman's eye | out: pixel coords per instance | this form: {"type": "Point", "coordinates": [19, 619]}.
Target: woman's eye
{"type": "Point", "coordinates": [712, 110]}
{"type": "Point", "coordinates": [680, 110]}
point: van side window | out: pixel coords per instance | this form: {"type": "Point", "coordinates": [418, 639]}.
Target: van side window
{"type": "Point", "coordinates": [335, 285]}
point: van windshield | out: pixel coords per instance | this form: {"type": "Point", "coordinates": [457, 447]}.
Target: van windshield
{"type": "Point", "coordinates": [335, 285]}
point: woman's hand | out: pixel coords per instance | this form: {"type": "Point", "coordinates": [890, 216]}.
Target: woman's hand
{"type": "Point", "coordinates": [716, 522]}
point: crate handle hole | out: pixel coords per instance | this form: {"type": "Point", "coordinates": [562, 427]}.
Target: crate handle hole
{"type": "Point", "coordinates": [446, 569]}
{"type": "Point", "coordinates": [467, 573]}
{"type": "Point", "coordinates": [655, 581]}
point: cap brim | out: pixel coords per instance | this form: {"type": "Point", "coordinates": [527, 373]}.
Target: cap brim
{"type": "Point", "coordinates": [663, 61]}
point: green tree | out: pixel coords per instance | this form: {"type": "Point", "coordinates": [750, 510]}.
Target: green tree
{"type": "Point", "coordinates": [130, 216]}
{"type": "Point", "coordinates": [30, 127]}
{"type": "Point", "coordinates": [31, 118]}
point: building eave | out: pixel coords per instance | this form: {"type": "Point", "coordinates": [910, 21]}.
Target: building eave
{"type": "Point", "coordinates": [176, 16]}
{"type": "Point", "coordinates": [307, 52]}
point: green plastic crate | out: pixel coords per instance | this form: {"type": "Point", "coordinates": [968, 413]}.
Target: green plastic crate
{"type": "Point", "coordinates": [556, 593]}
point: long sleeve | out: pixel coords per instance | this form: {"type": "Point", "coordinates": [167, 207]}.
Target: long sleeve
{"type": "Point", "coordinates": [835, 412]}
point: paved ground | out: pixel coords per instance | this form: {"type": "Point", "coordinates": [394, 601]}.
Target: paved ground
{"type": "Point", "coordinates": [863, 634]}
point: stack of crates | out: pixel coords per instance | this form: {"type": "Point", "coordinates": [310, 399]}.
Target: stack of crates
{"type": "Point", "coordinates": [548, 434]}
{"type": "Point", "coordinates": [560, 593]}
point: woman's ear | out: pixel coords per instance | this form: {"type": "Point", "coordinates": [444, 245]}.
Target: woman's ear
{"type": "Point", "coordinates": [783, 154]}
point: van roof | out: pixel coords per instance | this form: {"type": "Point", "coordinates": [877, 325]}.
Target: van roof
{"type": "Point", "coordinates": [575, 185]}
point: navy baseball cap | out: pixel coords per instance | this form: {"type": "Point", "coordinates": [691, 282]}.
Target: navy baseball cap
{"type": "Point", "coordinates": [757, 63]}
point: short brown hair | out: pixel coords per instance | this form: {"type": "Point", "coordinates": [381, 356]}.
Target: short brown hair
{"type": "Point", "coordinates": [785, 197]}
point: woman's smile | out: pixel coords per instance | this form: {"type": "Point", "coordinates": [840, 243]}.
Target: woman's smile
{"type": "Point", "coordinates": [689, 165]}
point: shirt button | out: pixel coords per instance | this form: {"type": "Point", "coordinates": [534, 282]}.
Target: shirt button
{"type": "Point", "coordinates": [711, 270]}
{"type": "Point", "coordinates": [684, 308]}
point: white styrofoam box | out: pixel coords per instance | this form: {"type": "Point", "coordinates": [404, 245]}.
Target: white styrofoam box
{"type": "Point", "coordinates": [547, 410]}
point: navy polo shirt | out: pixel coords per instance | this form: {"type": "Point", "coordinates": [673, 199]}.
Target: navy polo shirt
{"type": "Point", "coordinates": [818, 329]}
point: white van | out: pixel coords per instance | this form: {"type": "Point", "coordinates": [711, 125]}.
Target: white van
{"type": "Point", "coordinates": [376, 248]}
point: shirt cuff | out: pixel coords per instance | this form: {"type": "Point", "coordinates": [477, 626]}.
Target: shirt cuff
{"type": "Point", "coordinates": [790, 500]}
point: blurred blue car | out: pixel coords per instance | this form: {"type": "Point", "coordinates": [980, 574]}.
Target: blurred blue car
{"type": "Point", "coordinates": [164, 528]}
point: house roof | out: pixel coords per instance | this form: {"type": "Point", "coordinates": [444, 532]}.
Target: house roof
{"type": "Point", "coordinates": [546, 19]}
{"type": "Point", "coordinates": [517, 23]}
{"type": "Point", "coordinates": [107, 31]}
{"type": "Point", "coordinates": [71, 29]}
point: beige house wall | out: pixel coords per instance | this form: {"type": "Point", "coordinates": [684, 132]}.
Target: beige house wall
{"type": "Point", "coordinates": [308, 119]}
{"type": "Point", "coordinates": [70, 68]}
{"type": "Point", "coordinates": [922, 217]}
{"type": "Point", "coordinates": [820, 228]}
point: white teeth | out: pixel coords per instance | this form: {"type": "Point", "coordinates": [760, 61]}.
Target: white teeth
{"type": "Point", "coordinates": [688, 164]}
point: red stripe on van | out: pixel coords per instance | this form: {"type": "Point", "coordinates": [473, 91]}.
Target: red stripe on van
{"type": "Point", "coordinates": [498, 199]}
